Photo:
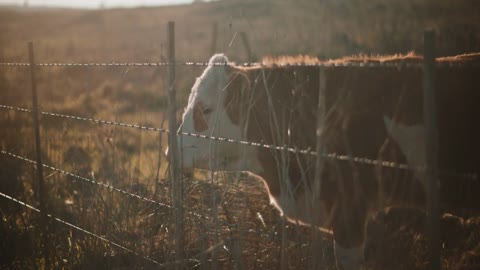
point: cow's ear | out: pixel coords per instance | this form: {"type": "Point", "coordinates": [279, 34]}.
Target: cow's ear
{"type": "Point", "coordinates": [237, 95]}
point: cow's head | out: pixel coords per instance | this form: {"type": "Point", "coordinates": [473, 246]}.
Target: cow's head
{"type": "Point", "coordinates": [216, 107]}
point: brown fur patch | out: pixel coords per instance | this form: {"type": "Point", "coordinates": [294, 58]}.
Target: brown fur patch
{"type": "Point", "coordinates": [355, 102]}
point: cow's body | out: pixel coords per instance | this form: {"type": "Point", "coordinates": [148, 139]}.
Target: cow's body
{"type": "Point", "coordinates": [374, 113]}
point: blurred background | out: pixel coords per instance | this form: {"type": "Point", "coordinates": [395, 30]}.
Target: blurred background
{"type": "Point", "coordinates": [324, 28]}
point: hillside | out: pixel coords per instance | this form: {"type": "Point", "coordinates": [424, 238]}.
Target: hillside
{"type": "Point", "coordinates": [326, 29]}
{"type": "Point", "coordinates": [322, 28]}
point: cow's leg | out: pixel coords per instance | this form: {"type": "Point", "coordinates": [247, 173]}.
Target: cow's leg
{"type": "Point", "coordinates": [349, 236]}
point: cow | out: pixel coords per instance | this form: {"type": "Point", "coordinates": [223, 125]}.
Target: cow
{"type": "Point", "coordinates": [375, 113]}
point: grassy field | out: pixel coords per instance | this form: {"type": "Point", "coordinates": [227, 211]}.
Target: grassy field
{"type": "Point", "coordinates": [229, 223]}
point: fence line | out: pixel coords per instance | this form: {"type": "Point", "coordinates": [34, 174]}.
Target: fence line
{"type": "Point", "coordinates": [112, 188]}
{"type": "Point", "coordinates": [294, 150]}
{"type": "Point", "coordinates": [81, 118]}
{"type": "Point", "coordinates": [92, 181]}
{"type": "Point", "coordinates": [386, 64]}
{"type": "Point", "coordinates": [103, 239]}
{"type": "Point", "coordinates": [110, 242]}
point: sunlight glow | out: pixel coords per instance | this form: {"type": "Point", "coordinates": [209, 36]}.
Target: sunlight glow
{"type": "Point", "coordinates": [92, 3]}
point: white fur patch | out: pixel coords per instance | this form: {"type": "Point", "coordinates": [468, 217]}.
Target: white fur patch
{"type": "Point", "coordinates": [349, 258]}
{"type": "Point", "coordinates": [411, 140]}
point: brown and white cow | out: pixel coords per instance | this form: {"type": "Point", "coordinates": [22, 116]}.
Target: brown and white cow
{"type": "Point", "coordinates": [371, 112]}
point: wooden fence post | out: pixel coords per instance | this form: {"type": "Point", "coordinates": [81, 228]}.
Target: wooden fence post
{"type": "Point", "coordinates": [175, 177]}
{"type": "Point", "coordinates": [213, 48]}
{"type": "Point", "coordinates": [246, 45]}
{"type": "Point", "coordinates": [431, 148]}
{"type": "Point", "coordinates": [321, 113]}
{"type": "Point", "coordinates": [38, 157]}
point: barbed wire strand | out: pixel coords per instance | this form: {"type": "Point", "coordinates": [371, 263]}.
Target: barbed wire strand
{"type": "Point", "coordinates": [91, 181]}
{"type": "Point", "coordinates": [332, 156]}
{"type": "Point", "coordinates": [388, 64]}
{"type": "Point", "coordinates": [160, 265]}
{"type": "Point", "coordinates": [96, 121]}
{"type": "Point", "coordinates": [112, 188]}
{"type": "Point", "coordinates": [83, 230]}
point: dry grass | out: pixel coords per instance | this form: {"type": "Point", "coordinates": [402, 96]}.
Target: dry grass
{"type": "Point", "coordinates": [237, 227]}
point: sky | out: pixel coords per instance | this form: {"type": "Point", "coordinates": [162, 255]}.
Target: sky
{"type": "Point", "coordinates": [93, 3]}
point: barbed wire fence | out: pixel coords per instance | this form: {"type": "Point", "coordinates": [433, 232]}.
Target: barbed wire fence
{"type": "Point", "coordinates": [310, 152]}
{"type": "Point", "coordinates": [174, 173]}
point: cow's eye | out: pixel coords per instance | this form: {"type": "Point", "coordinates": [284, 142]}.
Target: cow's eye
{"type": "Point", "coordinates": [206, 111]}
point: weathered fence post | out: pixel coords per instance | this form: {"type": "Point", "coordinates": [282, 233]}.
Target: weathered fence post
{"type": "Point", "coordinates": [213, 48]}
{"type": "Point", "coordinates": [38, 157]}
{"type": "Point", "coordinates": [176, 182]}
{"type": "Point", "coordinates": [321, 112]}
{"type": "Point", "coordinates": [246, 45]}
{"type": "Point", "coordinates": [431, 146]}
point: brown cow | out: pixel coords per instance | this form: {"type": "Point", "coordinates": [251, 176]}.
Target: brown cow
{"type": "Point", "coordinates": [370, 112]}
